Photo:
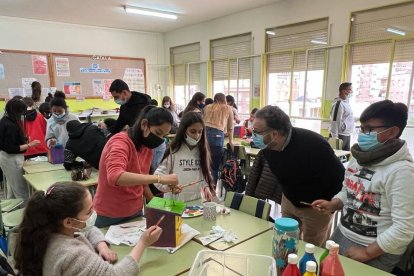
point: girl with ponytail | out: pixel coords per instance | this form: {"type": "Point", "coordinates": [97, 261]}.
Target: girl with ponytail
{"type": "Point", "coordinates": [57, 237]}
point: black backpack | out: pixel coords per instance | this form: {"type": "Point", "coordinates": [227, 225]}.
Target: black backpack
{"type": "Point", "coordinates": [231, 176]}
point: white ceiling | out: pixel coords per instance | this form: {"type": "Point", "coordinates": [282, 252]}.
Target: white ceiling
{"type": "Point", "coordinates": [110, 13]}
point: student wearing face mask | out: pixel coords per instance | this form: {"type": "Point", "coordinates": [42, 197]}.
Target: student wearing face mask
{"type": "Point", "coordinates": [342, 118]}
{"type": "Point", "coordinates": [196, 104]}
{"type": "Point", "coordinates": [124, 168]}
{"type": "Point", "coordinates": [44, 109]}
{"type": "Point", "coordinates": [57, 237]}
{"type": "Point", "coordinates": [168, 104]}
{"type": "Point", "coordinates": [189, 158]}
{"type": "Point", "coordinates": [304, 165]}
{"type": "Point", "coordinates": [378, 188]}
{"type": "Point", "coordinates": [13, 144]}
{"type": "Point", "coordinates": [131, 103]}
{"type": "Point", "coordinates": [56, 132]}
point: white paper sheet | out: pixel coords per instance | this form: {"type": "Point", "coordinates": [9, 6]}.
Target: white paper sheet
{"type": "Point", "coordinates": [127, 233]}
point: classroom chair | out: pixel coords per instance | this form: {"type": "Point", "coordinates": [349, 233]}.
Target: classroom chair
{"type": "Point", "coordinates": [248, 204]}
{"type": "Point", "coordinates": [8, 205]}
{"type": "Point", "coordinates": [406, 266]}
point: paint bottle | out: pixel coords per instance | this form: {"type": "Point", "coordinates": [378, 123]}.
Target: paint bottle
{"type": "Point", "coordinates": [324, 254]}
{"type": "Point", "coordinates": [309, 256]}
{"type": "Point", "coordinates": [310, 269]}
{"type": "Point", "coordinates": [332, 265]}
{"type": "Point", "coordinates": [292, 267]}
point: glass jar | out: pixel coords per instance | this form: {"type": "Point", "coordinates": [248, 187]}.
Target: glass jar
{"type": "Point", "coordinates": [285, 241]}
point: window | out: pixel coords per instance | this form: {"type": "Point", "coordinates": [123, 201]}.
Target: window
{"type": "Point", "coordinates": [296, 67]}
{"type": "Point", "coordinates": [185, 72]}
{"type": "Point", "coordinates": [232, 69]}
{"type": "Point", "coordinates": [370, 62]}
{"type": "Point", "coordinates": [384, 67]}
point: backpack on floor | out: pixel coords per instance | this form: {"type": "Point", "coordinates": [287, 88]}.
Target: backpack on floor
{"type": "Point", "coordinates": [231, 176]}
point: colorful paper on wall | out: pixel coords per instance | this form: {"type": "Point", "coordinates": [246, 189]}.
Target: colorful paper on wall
{"type": "Point", "coordinates": [16, 92]}
{"type": "Point", "coordinates": [134, 77]}
{"type": "Point", "coordinates": [62, 67]}
{"type": "Point", "coordinates": [100, 87]}
{"type": "Point", "coordinates": [39, 64]}
{"type": "Point", "coordinates": [2, 72]}
{"type": "Point", "coordinates": [72, 88]}
{"type": "Point", "coordinates": [27, 83]}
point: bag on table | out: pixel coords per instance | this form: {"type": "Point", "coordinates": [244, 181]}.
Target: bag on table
{"type": "Point", "coordinates": [55, 154]}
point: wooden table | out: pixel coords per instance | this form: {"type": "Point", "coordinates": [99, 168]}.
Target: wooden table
{"type": "Point", "coordinates": [40, 166]}
{"type": "Point", "coordinates": [43, 180]}
{"type": "Point", "coordinates": [262, 245]}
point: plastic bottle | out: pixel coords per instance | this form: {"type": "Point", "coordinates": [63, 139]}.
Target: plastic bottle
{"type": "Point", "coordinates": [332, 265]}
{"type": "Point", "coordinates": [309, 256]}
{"type": "Point", "coordinates": [310, 269]}
{"type": "Point", "coordinates": [324, 254]}
{"type": "Point", "coordinates": [285, 241]}
{"type": "Point", "coordinates": [292, 268]}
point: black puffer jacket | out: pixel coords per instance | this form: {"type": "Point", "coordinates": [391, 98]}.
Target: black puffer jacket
{"type": "Point", "coordinates": [262, 183]}
{"type": "Point", "coordinates": [86, 141]}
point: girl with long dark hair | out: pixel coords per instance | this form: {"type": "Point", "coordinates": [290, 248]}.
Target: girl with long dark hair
{"type": "Point", "coordinates": [57, 237]}
{"type": "Point", "coordinates": [36, 94]}
{"type": "Point", "coordinates": [124, 168]}
{"type": "Point", "coordinates": [196, 104]}
{"type": "Point", "coordinates": [189, 158]}
{"type": "Point", "coordinates": [168, 104]}
{"type": "Point", "coordinates": [13, 144]}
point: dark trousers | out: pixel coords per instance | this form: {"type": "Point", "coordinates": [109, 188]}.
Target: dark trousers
{"type": "Point", "coordinates": [215, 138]}
{"type": "Point", "coordinates": [347, 142]}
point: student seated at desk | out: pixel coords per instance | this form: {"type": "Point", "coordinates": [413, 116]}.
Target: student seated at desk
{"type": "Point", "coordinates": [124, 167]}
{"type": "Point", "coordinates": [56, 132]}
{"type": "Point", "coordinates": [57, 237]}
{"type": "Point", "coordinates": [248, 124]}
{"type": "Point", "coordinates": [376, 199]}
{"type": "Point", "coordinates": [189, 158]}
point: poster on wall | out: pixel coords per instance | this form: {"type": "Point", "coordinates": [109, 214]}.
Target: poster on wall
{"type": "Point", "coordinates": [39, 65]}
{"type": "Point", "coordinates": [2, 72]}
{"type": "Point", "coordinates": [100, 87]}
{"type": "Point", "coordinates": [27, 82]}
{"type": "Point", "coordinates": [134, 77]}
{"type": "Point", "coordinates": [62, 67]}
{"type": "Point", "coordinates": [72, 88]}
{"type": "Point", "coordinates": [16, 92]}
{"type": "Point", "coordinates": [95, 69]}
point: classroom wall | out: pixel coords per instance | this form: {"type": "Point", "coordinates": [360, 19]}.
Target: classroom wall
{"type": "Point", "coordinates": [282, 13]}
{"type": "Point", "coordinates": [46, 36]}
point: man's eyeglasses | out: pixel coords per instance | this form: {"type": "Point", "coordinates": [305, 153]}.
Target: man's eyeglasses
{"type": "Point", "coordinates": [260, 132]}
{"type": "Point", "coordinates": [369, 129]}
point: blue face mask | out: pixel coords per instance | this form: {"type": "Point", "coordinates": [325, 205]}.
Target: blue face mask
{"type": "Point", "coordinates": [60, 116]}
{"type": "Point", "coordinates": [367, 142]}
{"type": "Point", "coordinates": [119, 101]}
{"type": "Point", "coordinates": [201, 106]}
{"type": "Point", "coordinates": [258, 140]}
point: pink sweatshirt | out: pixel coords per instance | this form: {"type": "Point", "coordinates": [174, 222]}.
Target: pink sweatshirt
{"type": "Point", "coordinates": [120, 155]}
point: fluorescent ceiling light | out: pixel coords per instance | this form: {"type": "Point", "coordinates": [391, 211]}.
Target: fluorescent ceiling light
{"type": "Point", "coordinates": [319, 42]}
{"type": "Point", "coordinates": [395, 31]}
{"type": "Point", "coordinates": [270, 33]}
{"type": "Point", "coordinates": [156, 13]}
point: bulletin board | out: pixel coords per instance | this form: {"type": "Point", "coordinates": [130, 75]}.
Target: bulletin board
{"type": "Point", "coordinates": [78, 76]}
{"type": "Point", "coordinates": [90, 76]}
{"type": "Point", "coordinates": [18, 69]}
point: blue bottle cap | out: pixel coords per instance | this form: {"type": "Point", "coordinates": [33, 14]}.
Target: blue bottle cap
{"type": "Point", "coordinates": [286, 224]}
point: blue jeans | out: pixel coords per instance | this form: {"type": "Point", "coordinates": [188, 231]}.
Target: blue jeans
{"type": "Point", "coordinates": [215, 138]}
{"type": "Point", "coordinates": [102, 221]}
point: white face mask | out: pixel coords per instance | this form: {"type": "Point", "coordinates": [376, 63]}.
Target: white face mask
{"type": "Point", "coordinates": [90, 222]}
{"type": "Point", "coordinates": [167, 105]}
{"type": "Point", "coordinates": [191, 141]}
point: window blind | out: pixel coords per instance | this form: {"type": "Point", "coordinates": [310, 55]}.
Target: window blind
{"type": "Point", "coordinates": [179, 57]}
